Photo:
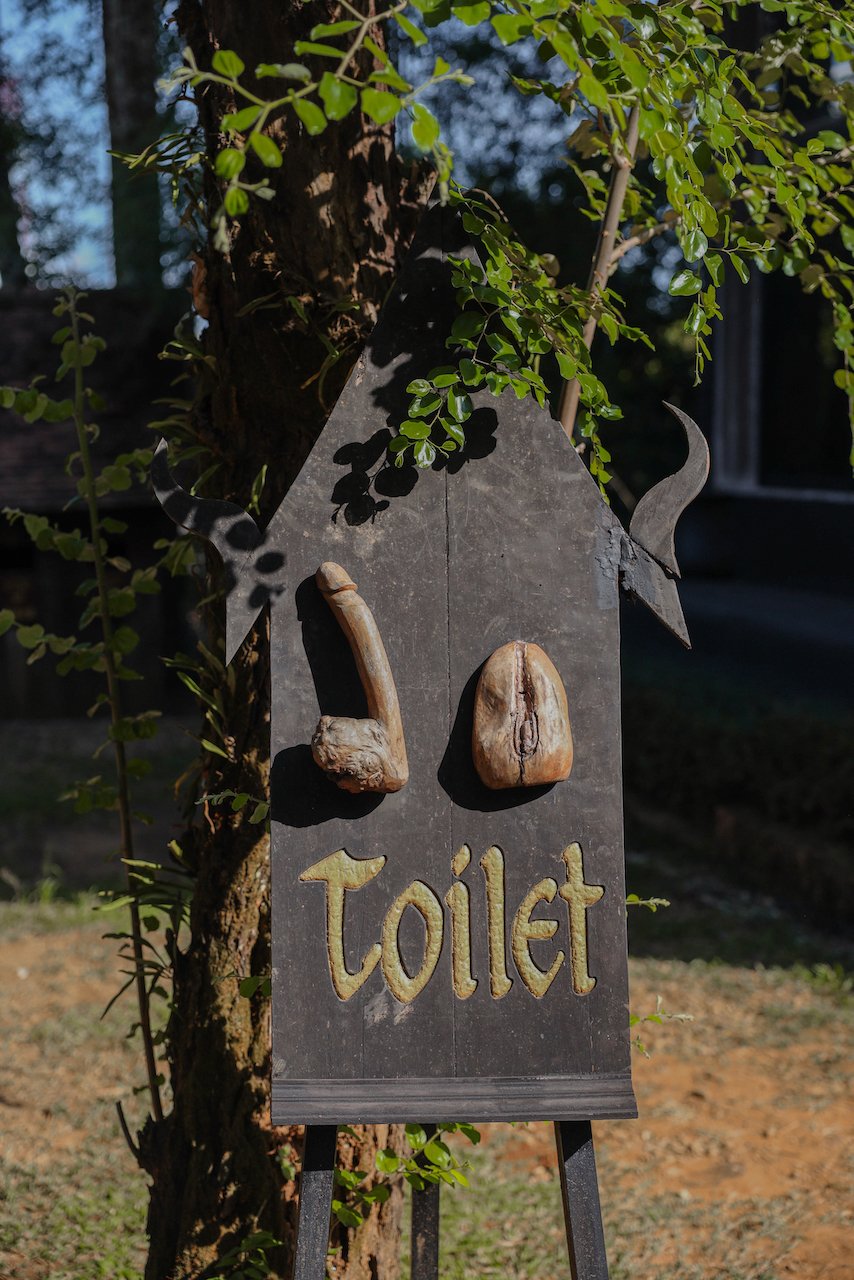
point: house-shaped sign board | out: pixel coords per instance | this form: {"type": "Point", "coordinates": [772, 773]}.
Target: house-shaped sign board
{"type": "Point", "coordinates": [447, 949]}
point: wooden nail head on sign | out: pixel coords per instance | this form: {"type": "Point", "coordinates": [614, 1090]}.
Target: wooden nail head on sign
{"type": "Point", "coordinates": [444, 949]}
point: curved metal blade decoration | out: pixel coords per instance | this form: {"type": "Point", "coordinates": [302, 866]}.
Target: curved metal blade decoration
{"type": "Point", "coordinates": [654, 520]}
{"type": "Point", "coordinates": [237, 538]}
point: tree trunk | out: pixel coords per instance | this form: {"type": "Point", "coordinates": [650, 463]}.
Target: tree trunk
{"type": "Point", "coordinates": [12, 264]}
{"type": "Point", "coordinates": [130, 52]}
{"type": "Point", "coordinates": [334, 232]}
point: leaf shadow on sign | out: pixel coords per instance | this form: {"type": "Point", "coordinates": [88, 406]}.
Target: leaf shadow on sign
{"type": "Point", "coordinates": [407, 343]}
{"type": "Point", "coordinates": [364, 492]}
{"type": "Point", "coordinates": [457, 774]}
{"type": "Point", "coordinates": [302, 794]}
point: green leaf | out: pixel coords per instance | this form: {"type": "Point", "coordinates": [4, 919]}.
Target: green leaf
{"type": "Point", "coordinates": [346, 1216]}
{"type": "Point", "coordinates": [502, 348]}
{"type": "Point", "coordinates": [229, 163]}
{"type": "Point", "coordinates": [311, 116]}
{"type": "Point", "coordinates": [31, 636]}
{"type": "Point", "coordinates": [684, 283]}
{"type": "Point", "coordinates": [236, 201]}
{"type": "Point", "coordinates": [7, 620]}
{"type": "Point", "coordinates": [715, 267]}
{"type": "Point", "coordinates": [387, 1161]}
{"type": "Point", "coordinates": [213, 748]}
{"type": "Point", "coordinates": [423, 405]}
{"type": "Point", "coordinates": [459, 406]}
{"type": "Point", "coordinates": [593, 91]}
{"type": "Point", "coordinates": [832, 140]}
{"type": "Point", "coordinates": [415, 430]}
{"type": "Point", "coordinates": [259, 813]}
{"type": "Point", "coordinates": [742, 270]}
{"type": "Point", "coordinates": [266, 150]}
{"type": "Point", "coordinates": [239, 121]}
{"type": "Point", "coordinates": [334, 28]}
{"type": "Point", "coordinates": [468, 324]}
{"type": "Point", "coordinates": [694, 245]}
{"type": "Point", "coordinates": [248, 986]}
{"type": "Point", "coordinates": [510, 27]}
{"type": "Point", "coordinates": [419, 387]}
{"type": "Point", "coordinates": [338, 98]}
{"type": "Point", "coordinates": [415, 35]}
{"type": "Point", "coordinates": [568, 367]}
{"type": "Point", "coordinates": [696, 319]}
{"type": "Point", "coordinates": [472, 14]}
{"type": "Point", "coordinates": [425, 128]}
{"type": "Point", "coordinates": [722, 136]}
{"type": "Point", "coordinates": [125, 640]}
{"type": "Point", "coordinates": [121, 601]}
{"type": "Point", "coordinates": [283, 71]}
{"type": "Point", "coordinates": [380, 105]}
{"type": "Point", "coordinates": [319, 50]}
{"type": "Point", "coordinates": [227, 63]}
{"type": "Point", "coordinates": [424, 454]}
{"type": "Point", "coordinates": [634, 70]}
{"type": "Point", "coordinates": [437, 1153]}
{"type": "Point", "coordinates": [417, 1136]}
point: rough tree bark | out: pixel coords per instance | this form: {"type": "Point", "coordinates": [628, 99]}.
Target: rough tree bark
{"type": "Point", "coordinates": [342, 215]}
{"type": "Point", "coordinates": [130, 50]}
{"type": "Point", "coordinates": [12, 263]}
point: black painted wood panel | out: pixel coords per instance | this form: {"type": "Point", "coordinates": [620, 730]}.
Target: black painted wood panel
{"type": "Point", "coordinates": [512, 541]}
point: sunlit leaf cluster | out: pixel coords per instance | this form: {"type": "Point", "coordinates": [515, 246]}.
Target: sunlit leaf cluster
{"type": "Point", "coordinates": [736, 148]}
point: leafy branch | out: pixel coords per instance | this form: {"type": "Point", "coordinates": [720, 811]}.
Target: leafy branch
{"type": "Point", "coordinates": [110, 595]}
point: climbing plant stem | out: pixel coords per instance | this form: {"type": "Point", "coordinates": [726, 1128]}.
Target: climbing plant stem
{"type": "Point", "coordinates": [114, 696]}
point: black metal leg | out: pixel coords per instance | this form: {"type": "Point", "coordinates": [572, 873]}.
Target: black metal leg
{"type": "Point", "coordinates": [315, 1201]}
{"type": "Point", "coordinates": [425, 1229]}
{"type": "Point", "coordinates": [585, 1238]}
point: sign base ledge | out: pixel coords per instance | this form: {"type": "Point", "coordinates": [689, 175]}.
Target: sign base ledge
{"type": "Point", "coordinates": [445, 1099]}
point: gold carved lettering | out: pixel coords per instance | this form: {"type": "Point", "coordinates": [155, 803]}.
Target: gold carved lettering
{"type": "Point", "coordinates": [525, 929]}
{"type": "Point", "coordinates": [418, 895]}
{"type": "Point", "coordinates": [458, 900]}
{"type": "Point", "coordinates": [340, 872]}
{"type": "Point", "coordinates": [492, 864]}
{"type": "Point", "coordinates": [578, 896]}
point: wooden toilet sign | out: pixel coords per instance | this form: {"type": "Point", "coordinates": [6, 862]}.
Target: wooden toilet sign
{"type": "Point", "coordinates": [446, 948]}
{"type": "Point", "coordinates": [449, 921]}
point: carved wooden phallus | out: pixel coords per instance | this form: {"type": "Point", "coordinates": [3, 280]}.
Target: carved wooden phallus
{"type": "Point", "coordinates": [520, 734]}
{"type": "Point", "coordinates": [361, 755]}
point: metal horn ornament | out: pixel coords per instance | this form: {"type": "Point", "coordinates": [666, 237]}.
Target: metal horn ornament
{"type": "Point", "coordinates": [653, 522]}
{"type": "Point", "coordinates": [648, 568]}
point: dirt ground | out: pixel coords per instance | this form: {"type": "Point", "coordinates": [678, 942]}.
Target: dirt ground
{"type": "Point", "coordinates": [739, 1166]}
{"type": "Point", "coordinates": [746, 1124]}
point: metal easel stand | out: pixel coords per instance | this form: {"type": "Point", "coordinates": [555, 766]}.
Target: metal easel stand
{"type": "Point", "coordinates": [585, 1238]}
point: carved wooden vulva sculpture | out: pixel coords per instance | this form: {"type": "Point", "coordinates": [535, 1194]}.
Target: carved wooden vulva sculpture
{"type": "Point", "coordinates": [361, 755]}
{"type": "Point", "coordinates": [520, 732]}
